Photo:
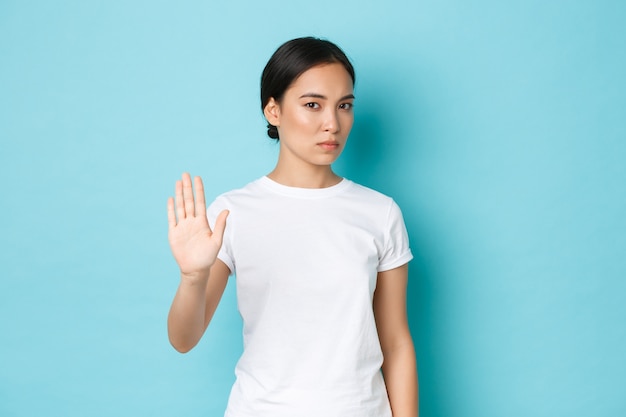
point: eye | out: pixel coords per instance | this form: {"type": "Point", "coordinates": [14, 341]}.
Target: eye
{"type": "Point", "coordinates": [346, 106]}
{"type": "Point", "coordinates": [312, 105]}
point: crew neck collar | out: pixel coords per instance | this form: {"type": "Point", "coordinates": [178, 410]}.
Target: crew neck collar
{"type": "Point", "coordinates": [299, 192]}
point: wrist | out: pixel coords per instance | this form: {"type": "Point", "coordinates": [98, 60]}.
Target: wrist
{"type": "Point", "coordinates": [194, 277]}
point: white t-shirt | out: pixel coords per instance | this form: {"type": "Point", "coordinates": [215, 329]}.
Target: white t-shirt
{"type": "Point", "coordinates": [306, 264]}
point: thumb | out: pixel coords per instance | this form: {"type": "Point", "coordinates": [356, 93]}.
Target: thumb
{"type": "Point", "coordinates": [220, 224]}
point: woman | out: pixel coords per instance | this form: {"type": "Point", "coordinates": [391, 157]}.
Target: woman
{"type": "Point", "coordinates": [321, 262]}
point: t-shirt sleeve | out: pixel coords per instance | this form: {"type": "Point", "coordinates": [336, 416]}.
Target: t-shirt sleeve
{"type": "Point", "coordinates": [396, 251]}
{"type": "Point", "coordinates": [225, 253]}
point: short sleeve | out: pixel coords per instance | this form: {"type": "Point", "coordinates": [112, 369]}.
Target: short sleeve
{"type": "Point", "coordinates": [225, 253]}
{"type": "Point", "coordinates": [396, 251]}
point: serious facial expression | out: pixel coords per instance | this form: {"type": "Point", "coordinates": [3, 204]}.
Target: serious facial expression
{"type": "Point", "coordinates": [315, 115]}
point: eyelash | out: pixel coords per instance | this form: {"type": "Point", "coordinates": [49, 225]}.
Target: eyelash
{"type": "Point", "coordinates": [343, 106]}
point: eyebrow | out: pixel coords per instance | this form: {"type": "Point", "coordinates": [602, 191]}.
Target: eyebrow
{"type": "Point", "coordinates": [323, 97]}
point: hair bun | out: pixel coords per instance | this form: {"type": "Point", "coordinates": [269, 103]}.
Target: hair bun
{"type": "Point", "coordinates": [272, 131]}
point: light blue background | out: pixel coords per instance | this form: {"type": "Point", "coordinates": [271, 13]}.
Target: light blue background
{"type": "Point", "coordinates": [499, 128]}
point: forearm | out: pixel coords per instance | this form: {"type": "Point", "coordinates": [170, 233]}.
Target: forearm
{"type": "Point", "coordinates": [400, 372]}
{"type": "Point", "coordinates": [186, 319]}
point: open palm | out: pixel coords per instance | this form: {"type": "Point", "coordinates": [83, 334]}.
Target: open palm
{"type": "Point", "coordinates": [194, 245]}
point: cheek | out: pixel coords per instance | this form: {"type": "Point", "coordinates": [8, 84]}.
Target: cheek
{"type": "Point", "coordinates": [348, 121]}
{"type": "Point", "coordinates": [304, 119]}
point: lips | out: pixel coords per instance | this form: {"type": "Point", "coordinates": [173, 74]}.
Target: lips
{"type": "Point", "coordinates": [329, 145]}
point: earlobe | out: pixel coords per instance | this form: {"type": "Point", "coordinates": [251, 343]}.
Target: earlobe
{"type": "Point", "coordinates": [272, 112]}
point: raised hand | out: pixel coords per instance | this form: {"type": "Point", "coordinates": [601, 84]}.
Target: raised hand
{"type": "Point", "coordinates": [194, 245]}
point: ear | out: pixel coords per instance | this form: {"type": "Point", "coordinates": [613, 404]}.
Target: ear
{"type": "Point", "coordinates": [272, 112]}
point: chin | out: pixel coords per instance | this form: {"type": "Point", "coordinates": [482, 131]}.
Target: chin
{"type": "Point", "coordinates": [326, 161]}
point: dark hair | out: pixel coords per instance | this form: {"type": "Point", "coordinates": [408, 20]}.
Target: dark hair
{"type": "Point", "coordinates": [290, 60]}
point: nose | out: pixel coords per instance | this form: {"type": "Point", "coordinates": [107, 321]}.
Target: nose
{"type": "Point", "coordinates": [331, 121]}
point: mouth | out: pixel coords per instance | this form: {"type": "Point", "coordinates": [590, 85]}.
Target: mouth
{"type": "Point", "coordinates": [329, 145]}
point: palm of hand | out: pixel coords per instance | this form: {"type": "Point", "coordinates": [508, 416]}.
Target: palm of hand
{"type": "Point", "coordinates": [194, 245]}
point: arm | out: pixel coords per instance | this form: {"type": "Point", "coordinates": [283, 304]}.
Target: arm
{"type": "Point", "coordinates": [399, 366]}
{"type": "Point", "coordinates": [193, 306]}
{"type": "Point", "coordinates": [195, 248]}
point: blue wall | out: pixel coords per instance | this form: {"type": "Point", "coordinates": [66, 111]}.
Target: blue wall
{"type": "Point", "coordinates": [499, 127]}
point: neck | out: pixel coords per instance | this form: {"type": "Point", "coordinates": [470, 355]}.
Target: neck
{"type": "Point", "coordinates": [314, 177]}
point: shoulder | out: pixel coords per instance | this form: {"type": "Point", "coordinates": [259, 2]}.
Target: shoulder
{"type": "Point", "coordinates": [234, 198]}
{"type": "Point", "coordinates": [366, 192]}
{"type": "Point", "coordinates": [250, 189]}
{"type": "Point", "coordinates": [369, 197]}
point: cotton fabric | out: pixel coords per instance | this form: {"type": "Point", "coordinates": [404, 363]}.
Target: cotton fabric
{"type": "Point", "coordinates": [306, 264]}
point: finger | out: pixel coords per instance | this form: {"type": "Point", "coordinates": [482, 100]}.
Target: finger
{"type": "Point", "coordinates": [200, 200]}
{"type": "Point", "coordinates": [220, 224]}
{"type": "Point", "coordinates": [188, 195]}
{"type": "Point", "coordinates": [171, 215]}
{"type": "Point", "coordinates": [180, 202]}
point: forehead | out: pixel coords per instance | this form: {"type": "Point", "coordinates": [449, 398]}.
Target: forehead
{"type": "Point", "coordinates": [326, 78]}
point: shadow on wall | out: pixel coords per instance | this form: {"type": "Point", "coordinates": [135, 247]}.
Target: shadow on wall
{"type": "Point", "coordinates": [365, 154]}
{"type": "Point", "coordinates": [376, 156]}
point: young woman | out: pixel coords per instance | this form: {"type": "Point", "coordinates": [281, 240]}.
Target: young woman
{"type": "Point", "coordinates": [320, 262]}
